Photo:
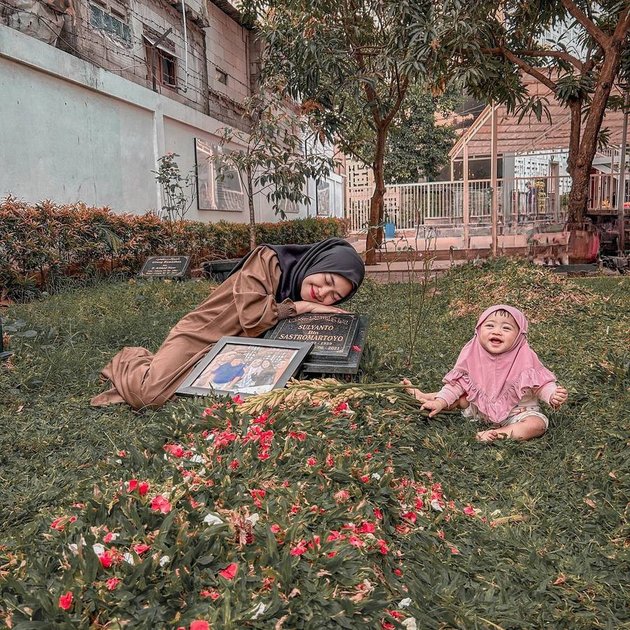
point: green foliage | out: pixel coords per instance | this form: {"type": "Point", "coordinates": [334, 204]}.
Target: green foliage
{"type": "Point", "coordinates": [274, 162]}
{"type": "Point", "coordinates": [45, 246]}
{"type": "Point", "coordinates": [539, 549]}
{"type": "Point", "coordinates": [178, 191]}
{"type": "Point", "coordinates": [416, 146]}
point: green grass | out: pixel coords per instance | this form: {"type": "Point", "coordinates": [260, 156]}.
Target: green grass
{"type": "Point", "coordinates": [562, 563]}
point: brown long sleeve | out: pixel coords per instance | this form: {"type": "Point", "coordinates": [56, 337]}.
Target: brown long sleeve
{"type": "Point", "coordinates": [244, 305]}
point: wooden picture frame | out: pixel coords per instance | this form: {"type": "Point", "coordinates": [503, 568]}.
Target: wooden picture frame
{"type": "Point", "coordinates": [245, 366]}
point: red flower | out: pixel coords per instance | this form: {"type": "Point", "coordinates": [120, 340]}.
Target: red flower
{"type": "Point", "coordinates": [176, 450]}
{"type": "Point", "coordinates": [65, 601]}
{"type": "Point", "coordinates": [331, 554]}
{"type": "Point", "coordinates": [378, 514]}
{"type": "Point", "coordinates": [300, 436]}
{"type": "Point", "coordinates": [122, 453]}
{"type": "Point", "coordinates": [340, 408]}
{"type": "Point", "coordinates": [419, 505]}
{"type": "Point", "coordinates": [441, 534]}
{"type": "Point", "coordinates": [58, 523]}
{"type": "Point", "coordinates": [194, 504]}
{"type": "Point", "coordinates": [387, 625]}
{"type": "Point", "coordinates": [132, 484]}
{"type": "Point", "coordinates": [409, 516]}
{"type": "Point", "coordinates": [341, 496]}
{"type": "Point", "coordinates": [364, 478]}
{"type": "Point", "coordinates": [469, 510]}
{"type": "Point", "coordinates": [299, 549]}
{"type": "Point", "coordinates": [330, 460]}
{"type": "Point", "coordinates": [366, 528]}
{"type": "Point", "coordinates": [382, 546]}
{"type": "Point", "coordinates": [143, 488]}
{"type": "Point", "coordinates": [199, 624]}
{"type": "Point", "coordinates": [454, 550]}
{"type": "Point", "coordinates": [109, 537]}
{"type": "Point", "coordinates": [311, 461]}
{"type": "Point", "coordinates": [141, 548]}
{"type": "Point", "coordinates": [263, 454]}
{"type": "Point", "coordinates": [112, 583]}
{"type": "Point", "coordinates": [262, 418]}
{"type": "Point", "coordinates": [160, 504]}
{"type": "Point", "coordinates": [355, 541]}
{"type": "Point", "coordinates": [356, 348]}
{"type": "Point", "coordinates": [229, 573]}
{"type": "Point", "coordinates": [335, 535]}
{"type": "Point", "coordinates": [398, 572]}
{"type": "Point", "coordinates": [234, 464]}
{"type": "Point", "coordinates": [106, 559]}
{"type": "Point", "coordinates": [275, 528]}
{"type": "Point", "coordinates": [212, 594]}
{"type": "Point", "coordinates": [237, 400]}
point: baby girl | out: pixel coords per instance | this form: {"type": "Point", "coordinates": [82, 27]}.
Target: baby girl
{"type": "Point", "coordinates": [498, 380]}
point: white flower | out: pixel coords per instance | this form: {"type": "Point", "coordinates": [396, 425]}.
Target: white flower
{"type": "Point", "coordinates": [410, 623]}
{"type": "Point", "coordinates": [74, 548]}
{"type": "Point", "coordinates": [212, 519]}
{"type": "Point", "coordinates": [375, 475]}
{"type": "Point", "coordinates": [197, 459]}
{"type": "Point", "coordinates": [128, 558]}
{"type": "Point", "coordinates": [260, 609]}
{"type": "Point", "coordinates": [98, 549]}
{"type": "Point", "coordinates": [435, 504]}
{"type": "Point", "coordinates": [253, 518]}
{"type": "Point", "coordinates": [404, 603]}
{"type": "Point", "coordinates": [164, 560]}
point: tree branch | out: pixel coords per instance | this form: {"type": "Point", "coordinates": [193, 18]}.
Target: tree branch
{"type": "Point", "coordinates": [596, 33]}
{"type": "Point", "coordinates": [523, 65]}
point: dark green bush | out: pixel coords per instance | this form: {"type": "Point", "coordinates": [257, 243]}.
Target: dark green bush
{"type": "Point", "coordinates": [43, 246]}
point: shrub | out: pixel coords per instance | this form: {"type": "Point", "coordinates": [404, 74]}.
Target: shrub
{"type": "Point", "coordinates": [45, 244]}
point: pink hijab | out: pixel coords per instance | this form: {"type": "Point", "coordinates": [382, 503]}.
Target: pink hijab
{"type": "Point", "coordinates": [495, 383]}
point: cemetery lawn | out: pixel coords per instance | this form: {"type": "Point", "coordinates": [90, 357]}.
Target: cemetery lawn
{"type": "Point", "coordinates": [343, 508]}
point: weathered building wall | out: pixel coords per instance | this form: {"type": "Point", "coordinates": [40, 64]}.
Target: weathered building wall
{"type": "Point", "coordinates": [74, 132]}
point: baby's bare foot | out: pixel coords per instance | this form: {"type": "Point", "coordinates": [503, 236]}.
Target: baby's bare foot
{"type": "Point", "coordinates": [490, 436]}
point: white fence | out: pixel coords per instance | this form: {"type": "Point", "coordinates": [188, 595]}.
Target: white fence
{"type": "Point", "coordinates": [520, 200]}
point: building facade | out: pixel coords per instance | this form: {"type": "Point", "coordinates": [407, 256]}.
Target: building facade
{"type": "Point", "coordinates": [95, 92]}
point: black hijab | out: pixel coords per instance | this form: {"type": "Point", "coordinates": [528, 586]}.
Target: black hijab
{"type": "Point", "coordinates": [334, 255]}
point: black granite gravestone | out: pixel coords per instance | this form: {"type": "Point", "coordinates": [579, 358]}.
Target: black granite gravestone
{"type": "Point", "coordinates": [338, 340]}
{"type": "Point", "coordinates": [165, 267]}
{"type": "Point", "coordinates": [219, 270]}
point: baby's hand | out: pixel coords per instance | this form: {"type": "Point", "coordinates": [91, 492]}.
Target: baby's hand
{"type": "Point", "coordinates": [559, 397]}
{"type": "Point", "coordinates": [435, 406]}
{"type": "Point", "coordinates": [416, 393]}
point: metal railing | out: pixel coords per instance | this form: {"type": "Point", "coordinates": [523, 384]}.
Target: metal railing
{"type": "Point", "coordinates": [521, 200]}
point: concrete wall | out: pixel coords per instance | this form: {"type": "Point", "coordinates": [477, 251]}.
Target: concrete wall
{"type": "Point", "coordinates": [73, 132]}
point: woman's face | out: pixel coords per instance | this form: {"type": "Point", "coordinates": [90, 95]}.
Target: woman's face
{"type": "Point", "coordinates": [325, 288]}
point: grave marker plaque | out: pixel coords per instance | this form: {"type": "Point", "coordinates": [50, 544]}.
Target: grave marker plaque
{"type": "Point", "coordinates": [165, 267]}
{"type": "Point", "coordinates": [337, 340]}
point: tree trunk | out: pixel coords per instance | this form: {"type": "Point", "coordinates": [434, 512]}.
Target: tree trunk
{"type": "Point", "coordinates": [250, 203]}
{"type": "Point", "coordinates": [583, 161]}
{"type": "Point", "coordinates": [375, 228]}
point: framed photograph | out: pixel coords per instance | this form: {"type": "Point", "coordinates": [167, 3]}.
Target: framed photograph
{"type": "Point", "coordinates": [245, 366]}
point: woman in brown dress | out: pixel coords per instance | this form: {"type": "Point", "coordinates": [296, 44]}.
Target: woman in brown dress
{"type": "Point", "coordinates": [272, 283]}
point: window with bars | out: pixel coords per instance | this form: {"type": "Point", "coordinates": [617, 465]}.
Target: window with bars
{"type": "Point", "coordinates": [111, 18]}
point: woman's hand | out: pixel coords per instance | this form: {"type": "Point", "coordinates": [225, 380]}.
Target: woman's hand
{"type": "Point", "coordinates": [559, 397]}
{"type": "Point", "coordinates": [303, 306]}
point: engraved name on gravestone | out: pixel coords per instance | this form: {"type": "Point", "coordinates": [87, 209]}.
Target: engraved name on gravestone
{"type": "Point", "coordinates": [338, 341]}
{"type": "Point", "coordinates": [332, 335]}
{"type": "Point", "coordinates": [165, 267]}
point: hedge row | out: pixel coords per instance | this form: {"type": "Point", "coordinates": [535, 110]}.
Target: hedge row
{"type": "Point", "coordinates": [43, 245]}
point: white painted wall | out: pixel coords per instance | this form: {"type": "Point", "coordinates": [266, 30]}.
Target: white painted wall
{"type": "Point", "coordinates": [70, 131]}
